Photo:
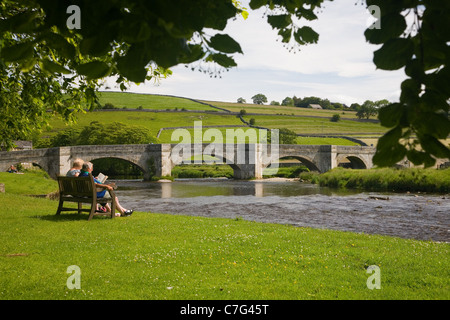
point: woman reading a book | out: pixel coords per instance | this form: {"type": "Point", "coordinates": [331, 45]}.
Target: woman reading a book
{"type": "Point", "coordinates": [87, 169]}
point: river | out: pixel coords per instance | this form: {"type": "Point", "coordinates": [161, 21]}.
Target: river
{"type": "Point", "coordinates": [416, 216]}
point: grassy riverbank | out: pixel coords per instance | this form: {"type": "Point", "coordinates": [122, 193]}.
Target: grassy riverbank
{"type": "Point", "coordinates": [387, 179]}
{"type": "Point", "coordinates": [202, 171]}
{"type": "Point", "coordinates": [161, 256]}
{"type": "Point", "coordinates": [29, 182]}
{"type": "Point", "coordinates": [217, 171]}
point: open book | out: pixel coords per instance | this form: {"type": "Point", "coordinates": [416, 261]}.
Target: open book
{"type": "Point", "coordinates": [102, 178]}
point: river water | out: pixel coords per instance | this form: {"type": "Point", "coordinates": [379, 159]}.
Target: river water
{"type": "Point", "coordinates": [416, 216]}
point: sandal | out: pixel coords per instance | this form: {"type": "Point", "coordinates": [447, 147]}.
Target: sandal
{"type": "Point", "coordinates": [102, 210]}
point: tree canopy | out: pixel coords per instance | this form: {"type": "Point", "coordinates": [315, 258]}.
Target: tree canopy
{"type": "Point", "coordinates": [259, 98]}
{"type": "Point", "coordinates": [370, 108]}
{"type": "Point", "coordinates": [97, 133]}
{"type": "Point", "coordinates": [52, 57]}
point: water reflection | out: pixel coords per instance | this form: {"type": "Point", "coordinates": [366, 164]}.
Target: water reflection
{"type": "Point", "coordinates": [166, 190]}
{"type": "Point", "coordinates": [187, 188]}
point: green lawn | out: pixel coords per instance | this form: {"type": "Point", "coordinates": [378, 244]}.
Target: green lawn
{"type": "Point", "coordinates": [162, 256]}
{"type": "Point", "coordinates": [33, 182]}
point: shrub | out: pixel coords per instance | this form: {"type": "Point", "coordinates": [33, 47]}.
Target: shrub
{"type": "Point", "coordinates": [335, 118]}
{"type": "Point", "coordinates": [108, 105]}
{"type": "Point", "coordinates": [388, 179]}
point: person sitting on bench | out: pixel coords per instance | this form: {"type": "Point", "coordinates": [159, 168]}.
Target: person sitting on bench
{"type": "Point", "coordinates": [87, 169]}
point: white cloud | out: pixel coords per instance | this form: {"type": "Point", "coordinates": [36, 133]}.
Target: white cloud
{"type": "Point", "coordinates": [339, 67]}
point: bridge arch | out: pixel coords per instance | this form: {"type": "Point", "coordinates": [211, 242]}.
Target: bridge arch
{"type": "Point", "coordinates": [121, 159]}
{"type": "Point", "coordinates": [305, 160]}
{"type": "Point", "coordinates": [223, 160]}
{"type": "Point", "coordinates": [354, 161]}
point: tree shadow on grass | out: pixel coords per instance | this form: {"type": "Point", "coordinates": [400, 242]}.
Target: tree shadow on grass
{"type": "Point", "coordinates": [68, 217]}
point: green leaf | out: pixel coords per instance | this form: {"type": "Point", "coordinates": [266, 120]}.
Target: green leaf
{"type": "Point", "coordinates": [95, 46]}
{"type": "Point", "coordinates": [434, 54]}
{"type": "Point", "coordinates": [133, 65]}
{"type": "Point", "coordinates": [389, 150]}
{"type": "Point", "coordinates": [60, 44]}
{"type": "Point", "coordinates": [390, 115]}
{"type": "Point", "coordinates": [286, 35]}
{"type": "Point", "coordinates": [255, 4]}
{"type": "Point", "coordinates": [224, 43]}
{"type": "Point", "coordinates": [168, 54]}
{"type": "Point", "coordinates": [392, 26]}
{"type": "Point", "coordinates": [194, 53]}
{"type": "Point", "coordinates": [130, 70]}
{"type": "Point", "coordinates": [94, 69]}
{"type": "Point", "coordinates": [440, 81]}
{"type": "Point", "coordinates": [18, 52]}
{"type": "Point", "coordinates": [53, 67]}
{"type": "Point", "coordinates": [432, 100]}
{"type": "Point", "coordinates": [434, 124]}
{"type": "Point", "coordinates": [28, 65]}
{"type": "Point", "coordinates": [419, 157]}
{"type": "Point", "coordinates": [306, 35]}
{"type": "Point", "coordinates": [410, 91]}
{"type": "Point", "coordinates": [222, 59]}
{"type": "Point", "coordinates": [20, 23]}
{"type": "Point", "coordinates": [279, 21]}
{"type": "Point", "coordinates": [308, 14]}
{"type": "Point", "coordinates": [414, 69]}
{"type": "Point", "coordinates": [135, 30]}
{"type": "Point", "coordinates": [433, 146]}
{"type": "Point", "coordinates": [394, 54]}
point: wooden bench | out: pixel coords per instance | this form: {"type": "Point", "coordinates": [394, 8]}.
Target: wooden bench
{"type": "Point", "coordinates": [82, 190]}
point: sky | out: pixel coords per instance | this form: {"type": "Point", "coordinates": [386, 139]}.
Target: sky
{"type": "Point", "coordinates": [339, 67]}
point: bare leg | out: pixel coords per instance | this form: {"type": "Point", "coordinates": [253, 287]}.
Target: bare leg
{"type": "Point", "coordinates": [118, 206]}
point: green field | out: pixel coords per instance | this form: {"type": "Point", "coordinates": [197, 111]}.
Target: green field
{"type": "Point", "coordinates": [303, 125]}
{"type": "Point", "coordinates": [282, 110]}
{"type": "Point", "coordinates": [151, 120]}
{"type": "Point", "coordinates": [161, 256]}
{"type": "Point", "coordinates": [179, 116]}
{"type": "Point", "coordinates": [148, 101]}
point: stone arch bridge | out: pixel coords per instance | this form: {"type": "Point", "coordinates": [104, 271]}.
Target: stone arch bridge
{"type": "Point", "coordinates": [247, 160]}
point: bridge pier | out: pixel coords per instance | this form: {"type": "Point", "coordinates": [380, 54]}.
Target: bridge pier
{"type": "Point", "coordinates": [326, 158]}
{"type": "Point", "coordinates": [58, 161]}
{"type": "Point", "coordinates": [159, 161]}
{"type": "Point", "coordinates": [247, 171]}
{"type": "Point", "coordinates": [248, 162]}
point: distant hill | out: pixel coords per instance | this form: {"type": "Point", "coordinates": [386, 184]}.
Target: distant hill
{"type": "Point", "coordinates": [157, 112]}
